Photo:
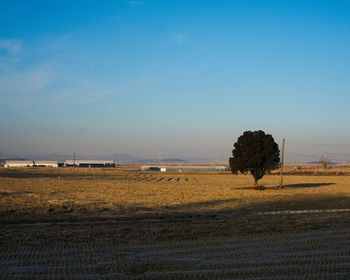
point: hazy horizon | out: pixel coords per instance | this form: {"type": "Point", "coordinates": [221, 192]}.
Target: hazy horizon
{"type": "Point", "coordinates": [173, 78]}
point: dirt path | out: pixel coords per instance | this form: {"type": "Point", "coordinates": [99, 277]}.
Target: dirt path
{"type": "Point", "coordinates": [92, 252]}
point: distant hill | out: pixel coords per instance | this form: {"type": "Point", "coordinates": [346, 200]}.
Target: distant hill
{"type": "Point", "coordinates": [317, 162]}
{"type": "Point", "coordinates": [173, 160]}
{"type": "Point", "coordinates": [120, 158]}
{"type": "Point", "coordinates": [126, 158]}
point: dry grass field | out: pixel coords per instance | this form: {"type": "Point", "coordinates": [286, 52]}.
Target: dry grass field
{"type": "Point", "coordinates": [55, 193]}
{"type": "Point", "coordinates": [127, 224]}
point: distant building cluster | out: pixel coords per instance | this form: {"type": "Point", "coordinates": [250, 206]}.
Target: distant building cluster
{"type": "Point", "coordinates": [65, 163]}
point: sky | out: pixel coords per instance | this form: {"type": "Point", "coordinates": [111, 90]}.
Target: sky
{"type": "Point", "coordinates": [173, 78]}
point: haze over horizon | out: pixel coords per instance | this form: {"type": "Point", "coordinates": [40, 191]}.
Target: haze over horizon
{"type": "Point", "coordinates": [176, 78]}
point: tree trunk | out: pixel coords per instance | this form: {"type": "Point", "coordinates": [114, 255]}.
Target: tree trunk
{"type": "Point", "coordinates": [255, 182]}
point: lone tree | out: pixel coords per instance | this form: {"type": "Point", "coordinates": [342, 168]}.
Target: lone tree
{"type": "Point", "coordinates": [325, 162]}
{"type": "Point", "coordinates": [255, 152]}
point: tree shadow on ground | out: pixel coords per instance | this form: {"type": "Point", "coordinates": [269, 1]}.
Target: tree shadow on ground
{"type": "Point", "coordinates": [300, 202]}
{"type": "Point", "coordinates": [307, 185]}
{"type": "Point", "coordinates": [287, 186]}
{"type": "Point", "coordinates": [235, 208]}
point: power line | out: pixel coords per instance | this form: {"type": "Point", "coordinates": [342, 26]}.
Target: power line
{"type": "Point", "coordinates": [308, 144]}
{"type": "Point", "coordinates": [318, 155]}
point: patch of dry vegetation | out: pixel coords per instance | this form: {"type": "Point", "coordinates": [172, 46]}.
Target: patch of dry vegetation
{"type": "Point", "coordinates": [126, 192]}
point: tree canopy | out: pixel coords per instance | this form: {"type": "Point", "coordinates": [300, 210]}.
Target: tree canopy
{"type": "Point", "coordinates": [255, 152]}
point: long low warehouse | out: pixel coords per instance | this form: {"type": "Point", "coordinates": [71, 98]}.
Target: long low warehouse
{"type": "Point", "coordinates": [30, 163]}
{"type": "Point", "coordinates": [89, 163]}
{"type": "Point", "coordinates": [66, 163]}
{"type": "Point", "coordinates": [183, 168]}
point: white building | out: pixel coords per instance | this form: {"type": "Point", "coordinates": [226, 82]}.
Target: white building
{"type": "Point", "coordinates": [30, 163]}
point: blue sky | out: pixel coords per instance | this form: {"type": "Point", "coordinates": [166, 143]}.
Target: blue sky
{"type": "Point", "coordinates": [180, 78]}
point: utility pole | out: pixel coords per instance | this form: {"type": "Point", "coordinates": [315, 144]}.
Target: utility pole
{"type": "Point", "coordinates": [282, 163]}
{"type": "Point", "coordinates": [115, 160]}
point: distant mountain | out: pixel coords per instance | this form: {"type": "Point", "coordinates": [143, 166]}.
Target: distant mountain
{"type": "Point", "coordinates": [199, 159]}
{"type": "Point", "coordinates": [317, 162]}
{"type": "Point", "coordinates": [173, 160]}
{"type": "Point", "coordinates": [126, 158]}
{"type": "Point", "coordinates": [120, 158]}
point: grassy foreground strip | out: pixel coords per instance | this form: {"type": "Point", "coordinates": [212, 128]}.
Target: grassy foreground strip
{"type": "Point", "coordinates": [168, 229]}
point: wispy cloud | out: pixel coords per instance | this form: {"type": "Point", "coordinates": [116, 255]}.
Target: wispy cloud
{"type": "Point", "coordinates": [48, 82]}
{"type": "Point", "coordinates": [27, 81]}
{"type": "Point", "coordinates": [12, 46]}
